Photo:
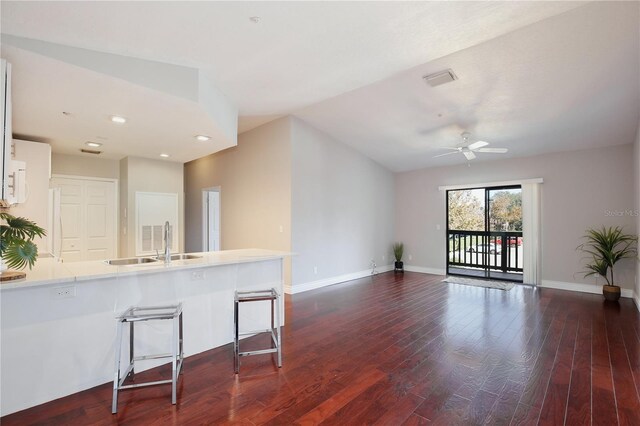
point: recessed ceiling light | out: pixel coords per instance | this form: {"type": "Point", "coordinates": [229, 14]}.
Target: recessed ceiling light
{"type": "Point", "coordinates": [118, 119]}
{"type": "Point", "coordinates": [164, 155]}
{"type": "Point", "coordinates": [93, 144]}
{"type": "Point", "coordinates": [203, 138]}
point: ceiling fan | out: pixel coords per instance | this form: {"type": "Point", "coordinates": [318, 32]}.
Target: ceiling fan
{"type": "Point", "coordinates": [469, 149]}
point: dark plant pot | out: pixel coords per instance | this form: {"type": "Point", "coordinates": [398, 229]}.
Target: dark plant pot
{"type": "Point", "coordinates": [399, 266]}
{"type": "Point", "coordinates": [611, 292]}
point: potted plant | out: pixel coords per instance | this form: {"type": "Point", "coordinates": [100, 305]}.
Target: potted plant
{"type": "Point", "coordinates": [17, 249]}
{"type": "Point", "coordinates": [604, 248]}
{"type": "Point", "coordinates": [398, 251]}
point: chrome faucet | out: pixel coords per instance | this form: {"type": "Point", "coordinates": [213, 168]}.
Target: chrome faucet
{"type": "Point", "coordinates": [167, 244]}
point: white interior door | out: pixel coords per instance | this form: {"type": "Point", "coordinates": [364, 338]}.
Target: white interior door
{"type": "Point", "coordinates": [211, 219]}
{"type": "Point", "coordinates": [88, 213]}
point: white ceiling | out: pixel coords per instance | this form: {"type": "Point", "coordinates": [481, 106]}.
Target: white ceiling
{"type": "Point", "coordinates": [157, 123]}
{"type": "Point", "coordinates": [569, 82]}
{"type": "Point", "coordinates": [353, 68]}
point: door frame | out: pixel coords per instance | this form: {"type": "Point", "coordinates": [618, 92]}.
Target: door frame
{"type": "Point", "coordinates": [205, 217]}
{"type": "Point", "coordinates": [487, 188]}
{"type": "Point", "coordinates": [116, 237]}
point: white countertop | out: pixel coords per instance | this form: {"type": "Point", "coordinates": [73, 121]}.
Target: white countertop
{"type": "Point", "coordinates": [48, 271]}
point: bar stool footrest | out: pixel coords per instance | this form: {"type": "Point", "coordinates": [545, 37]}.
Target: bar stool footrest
{"type": "Point", "coordinates": [135, 315]}
{"type": "Point", "coordinates": [148, 357]}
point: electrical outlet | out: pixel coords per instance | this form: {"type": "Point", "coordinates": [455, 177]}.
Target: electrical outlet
{"type": "Point", "coordinates": [383, 256]}
{"type": "Point", "coordinates": [315, 269]}
{"type": "Point", "coordinates": [410, 257]}
{"type": "Point", "coordinates": [197, 275]}
{"type": "Point", "coordinates": [65, 292]}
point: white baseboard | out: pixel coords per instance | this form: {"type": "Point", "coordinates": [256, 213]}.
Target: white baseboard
{"type": "Point", "coordinates": [582, 288]}
{"type": "Point", "coordinates": [434, 271]}
{"type": "Point", "coordinates": [636, 298]}
{"type": "Point", "coordinates": [312, 285]}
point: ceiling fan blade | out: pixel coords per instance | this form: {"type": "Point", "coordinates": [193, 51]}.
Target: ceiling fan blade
{"type": "Point", "coordinates": [477, 145]}
{"type": "Point", "coordinates": [469, 154]}
{"type": "Point", "coordinates": [493, 150]}
{"type": "Point", "coordinates": [446, 153]}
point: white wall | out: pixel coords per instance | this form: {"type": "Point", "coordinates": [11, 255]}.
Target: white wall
{"type": "Point", "coordinates": [255, 191]}
{"type": "Point", "coordinates": [579, 188]}
{"type": "Point", "coordinates": [84, 165]}
{"type": "Point", "coordinates": [37, 157]}
{"type": "Point", "coordinates": [342, 209]}
{"type": "Point", "coordinates": [145, 175]}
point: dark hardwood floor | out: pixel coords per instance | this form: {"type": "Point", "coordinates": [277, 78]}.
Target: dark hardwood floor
{"type": "Point", "coordinates": [404, 349]}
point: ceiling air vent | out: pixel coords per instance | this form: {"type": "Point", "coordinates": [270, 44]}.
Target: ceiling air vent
{"type": "Point", "coordinates": [90, 151]}
{"type": "Point", "coordinates": [438, 78]}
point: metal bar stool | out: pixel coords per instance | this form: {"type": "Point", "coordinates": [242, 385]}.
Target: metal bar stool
{"type": "Point", "coordinates": [257, 296]}
{"type": "Point", "coordinates": [140, 314]}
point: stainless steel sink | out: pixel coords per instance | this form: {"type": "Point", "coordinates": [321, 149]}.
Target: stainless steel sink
{"type": "Point", "coordinates": [130, 261]}
{"type": "Point", "coordinates": [179, 256]}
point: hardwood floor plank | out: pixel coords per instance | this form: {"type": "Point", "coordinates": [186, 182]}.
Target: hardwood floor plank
{"type": "Point", "coordinates": [632, 347]}
{"type": "Point", "coordinates": [579, 400]}
{"type": "Point", "coordinates": [525, 415]}
{"type": "Point", "coordinates": [415, 420]}
{"type": "Point", "coordinates": [604, 408]}
{"type": "Point", "coordinates": [506, 404]}
{"type": "Point", "coordinates": [626, 393]}
{"type": "Point", "coordinates": [400, 413]}
{"type": "Point", "coordinates": [401, 349]}
{"type": "Point", "coordinates": [555, 400]}
{"type": "Point", "coordinates": [480, 407]}
{"type": "Point", "coordinates": [341, 398]}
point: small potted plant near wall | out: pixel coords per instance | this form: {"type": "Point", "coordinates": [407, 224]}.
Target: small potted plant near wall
{"type": "Point", "coordinates": [17, 249]}
{"type": "Point", "coordinates": [604, 248]}
{"type": "Point", "coordinates": [398, 251]}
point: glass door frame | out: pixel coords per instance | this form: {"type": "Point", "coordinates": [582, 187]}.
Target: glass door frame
{"type": "Point", "coordinates": [486, 236]}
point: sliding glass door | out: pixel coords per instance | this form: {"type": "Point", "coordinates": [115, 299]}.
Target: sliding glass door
{"type": "Point", "coordinates": [484, 233]}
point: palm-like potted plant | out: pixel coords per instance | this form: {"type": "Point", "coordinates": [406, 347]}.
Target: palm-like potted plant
{"type": "Point", "coordinates": [604, 248]}
{"type": "Point", "coordinates": [398, 251]}
{"type": "Point", "coordinates": [17, 249]}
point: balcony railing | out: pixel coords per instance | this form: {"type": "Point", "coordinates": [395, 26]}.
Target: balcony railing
{"type": "Point", "coordinates": [497, 251]}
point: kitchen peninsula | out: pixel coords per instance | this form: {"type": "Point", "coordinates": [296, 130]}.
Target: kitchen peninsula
{"type": "Point", "coordinates": [58, 325]}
